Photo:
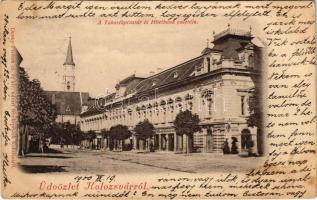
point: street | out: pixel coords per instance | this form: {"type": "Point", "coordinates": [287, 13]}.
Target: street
{"type": "Point", "coordinates": [73, 160]}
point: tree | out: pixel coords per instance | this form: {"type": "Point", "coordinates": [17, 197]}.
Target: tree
{"type": "Point", "coordinates": [119, 133]}
{"type": "Point", "coordinates": [187, 124]}
{"type": "Point", "coordinates": [255, 118]}
{"type": "Point", "coordinates": [144, 131]}
{"type": "Point", "coordinates": [78, 135]}
{"type": "Point", "coordinates": [33, 108]}
{"type": "Point", "coordinates": [57, 133]}
{"type": "Point", "coordinates": [71, 134]}
{"type": "Point", "coordinates": [90, 136]}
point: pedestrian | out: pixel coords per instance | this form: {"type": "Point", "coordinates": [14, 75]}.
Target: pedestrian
{"type": "Point", "coordinates": [226, 148]}
{"type": "Point", "coordinates": [250, 145]}
{"type": "Point", "coordinates": [151, 147]}
{"type": "Point", "coordinates": [234, 148]}
{"type": "Point", "coordinates": [41, 146]}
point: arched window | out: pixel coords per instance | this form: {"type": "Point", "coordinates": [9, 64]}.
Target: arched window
{"type": "Point", "coordinates": [143, 107]}
{"type": "Point", "coordinates": [242, 103]}
{"type": "Point", "coordinates": [154, 83]}
{"type": "Point", "coordinates": [246, 139]}
{"type": "Point", "coordinates": [210, 105]}
{"type": "Point", "coordinates": [170, 101]}
{"type": "Point", "coordinates": [178, 99]}
{"type": "Point", "coordinates": [175, 74]}
{"type": "Point", "coordinates": [208, 64]}
{"type": "Point", "coordinates": [163, 102]}
{"type": "Point", "coordinates": [251, 61]}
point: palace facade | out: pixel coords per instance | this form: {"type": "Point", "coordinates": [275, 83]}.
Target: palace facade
{"type": "Point", "coordinates": [216, 85]}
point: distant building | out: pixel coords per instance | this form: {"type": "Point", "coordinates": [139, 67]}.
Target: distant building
{"type": "Point", "coordinates": [69, 103]}
{"type": "Point", "coordinates": [216, 85]}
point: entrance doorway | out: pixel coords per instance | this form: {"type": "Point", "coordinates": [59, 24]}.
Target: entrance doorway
{"type": "Point", "coordinates": [246, 139]}
{"type": "Point", "coordinates": [170, 142]}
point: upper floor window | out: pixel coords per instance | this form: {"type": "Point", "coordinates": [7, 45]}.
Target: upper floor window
{"type": "Point", "coordinates": [154, 82]}
{"type": "Point", "coordinates": [210, 105]}
{"type": "Point", "coordinates": [199, 67]}
{"type": "Point", "coordinates": [251, 61]}
{"type": "Point", "coordinates": [208, 64]}
{"type": "Point", "coordinates": [178, 99]}
{"type": "Point", "coordinates": [68, 85]}
{"type": "Point", "coordinates": [242, 105]}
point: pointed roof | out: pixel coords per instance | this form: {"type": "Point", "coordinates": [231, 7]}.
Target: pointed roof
{"type": "Point", "coordinates": [67, 103]}
{"type": "Point", "coordinates": [69, 56]}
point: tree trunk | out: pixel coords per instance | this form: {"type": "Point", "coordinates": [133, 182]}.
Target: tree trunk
{"type": "Point", "coordinates": [141, 145]}
{"type": "Point", "coordinates": [189, 144]}
{"type": "Point", "coordinates": [18, 139]}
{"type": "Point", "coordinates": [21, 147]}
{"type": "Point", "coordinates": [146, 144]}
{"type": "Point", "coordinates": [184, 143]}
{"type": "Point", "coordinates": [19, 150]}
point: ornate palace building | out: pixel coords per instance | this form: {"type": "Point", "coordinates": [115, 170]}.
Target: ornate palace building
{"type": "Point", "coordinates": [216, 85]}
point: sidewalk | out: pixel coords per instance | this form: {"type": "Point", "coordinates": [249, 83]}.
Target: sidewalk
{"type": "Point", "coordinates": [82, 161]}
{"type": "Point", "coordinates": [195, 162]}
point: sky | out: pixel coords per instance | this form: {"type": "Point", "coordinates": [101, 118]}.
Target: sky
{"type": "Point", "coordinates": [105, 54]}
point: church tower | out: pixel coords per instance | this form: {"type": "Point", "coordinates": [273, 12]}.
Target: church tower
{"type": "Point", "coordinates": [69, 70]}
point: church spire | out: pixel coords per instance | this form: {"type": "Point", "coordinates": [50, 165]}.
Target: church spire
{"type": "Point", "coordinates": [69, 56]}
{"type": "Point", "coordinates": [69, 70]}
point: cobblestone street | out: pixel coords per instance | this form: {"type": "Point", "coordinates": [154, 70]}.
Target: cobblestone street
{"type": "Point", "coordinates": [88, 161]}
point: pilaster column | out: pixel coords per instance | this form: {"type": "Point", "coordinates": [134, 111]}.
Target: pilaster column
{"type": "Point", "coordinates": [175, 142]}
{"type": "Point", "coordinates": [134, 142]}
{"type": "Point", "coordinates": [160, 141]}
{"type": "Point", "coordinates": [204, 138]}
{"type": "Point", "coordinates": [254, 139]}
{"type": "Point", "coordinates": [228, 133]}
{"type": "Point", "coordinates": [184, 140]}
{"type": "Point", "coordinates": [167, 142]}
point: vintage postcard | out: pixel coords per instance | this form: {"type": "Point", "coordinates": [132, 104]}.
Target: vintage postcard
{"type": "Point", "coordinates": [158, 99]}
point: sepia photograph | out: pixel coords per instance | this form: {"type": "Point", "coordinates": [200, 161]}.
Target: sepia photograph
{"type": "Point", "coordinates": [134, 114]}
{"type": "Point", "coordinates": [158, 99]}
